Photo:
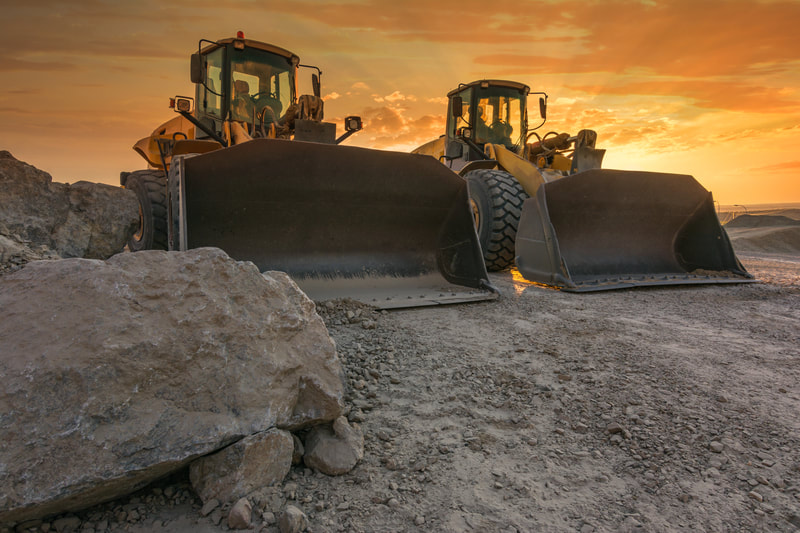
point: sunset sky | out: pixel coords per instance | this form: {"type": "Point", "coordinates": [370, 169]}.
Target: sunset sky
{"type": "Point", "coordinates": [708, 88]}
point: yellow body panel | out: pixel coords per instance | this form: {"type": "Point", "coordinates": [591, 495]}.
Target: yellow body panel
{"type": "Point", "coordinates": [523, 170]}
{"type": "Point", "coordinates": [172, 130]}
{"type": "Point", "coordinates": [433, 148]}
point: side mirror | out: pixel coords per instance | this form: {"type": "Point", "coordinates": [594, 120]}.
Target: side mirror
{"type": "Point", "coordinates": [352, 124]}
{"type": "Point", "coordinates": [181, 104]}
{"type": "Point", "coordinates": [197, 72]}
{"type": "Point", "coordinates": [542, 107]}
{"type": "Point", "coordinates": [457, 105]}
{"type": "Point", "coordinates": [315, 85]}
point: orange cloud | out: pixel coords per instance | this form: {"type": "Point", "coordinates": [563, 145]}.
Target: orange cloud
{"type": "Point", "coordinates": [787, 166]}
{"type": "Point", "coordinates": [389, 128]}
{"type": "Point", "coordinates": [705, 93]}
{"type": "Point", "coordinates": [677, 38]}
{"type": "Point", "coordinates": [10, 64]}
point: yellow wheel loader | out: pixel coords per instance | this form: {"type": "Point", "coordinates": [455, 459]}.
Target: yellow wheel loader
{"type": "Point", "coordinates": [249, 166]}
{"type": "Point", "coordinates": [549, 207]}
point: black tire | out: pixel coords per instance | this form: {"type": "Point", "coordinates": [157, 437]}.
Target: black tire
{"type": "Point", "coordinates": [150, 187]}
{"type": "Point", "coordinates": [496, 198]}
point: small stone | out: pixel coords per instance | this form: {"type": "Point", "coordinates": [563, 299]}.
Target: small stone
{"type": "Point", "coordinates": [67, 524]}
{"type": "Point", "coordinates": [716, 446]}
{"type": "Point", "coordinates": [209, 506]}
{"type": "Point", "coordinates": [292, 520]}
{"type": "Point", "coordinates": [764, 456]}
{"type": "Point", "coordinates": [614, 428]}
{"type": "Point", "coordinates": [240, 514]}
{"type": "Point", "coordinates": [419, 520]}
{"type": "Point", "coordinates": [30, 524]}
{"type": "Point", "coordinates": [756, 496]}
{"type": "Point", "coordinates": [268, 517]}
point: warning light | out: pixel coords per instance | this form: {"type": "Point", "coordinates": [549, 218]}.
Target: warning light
{"type": "Point", "coordinates": [238, 43]}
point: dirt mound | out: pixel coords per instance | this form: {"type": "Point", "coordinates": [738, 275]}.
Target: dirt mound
{"type": "Point", "coordinates": [760, 221]}
{"type": "Point", "coordinates": [781, 240]}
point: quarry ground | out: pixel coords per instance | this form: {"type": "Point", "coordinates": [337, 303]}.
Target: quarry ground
{"type": "Point", "coordinates": [652, 409]}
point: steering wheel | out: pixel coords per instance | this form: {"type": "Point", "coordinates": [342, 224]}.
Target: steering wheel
{"type": "Point", "coordinates": [263, 118]}
{"type": "Point", "coordinates": [256, 97]}
{"type": "Point", "coordinates": [500, 128]}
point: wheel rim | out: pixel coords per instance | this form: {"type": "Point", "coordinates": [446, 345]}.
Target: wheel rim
{"type": "Point", "coordinates": [476, 214]}
{"type": "Point", "coordinates": [139, 232]}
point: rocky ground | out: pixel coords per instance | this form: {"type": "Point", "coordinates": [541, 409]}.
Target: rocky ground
{"type": "Point", "coordinates": [663, 409]}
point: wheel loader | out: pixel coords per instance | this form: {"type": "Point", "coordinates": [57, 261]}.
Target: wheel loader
{"type": "Point", "coordinates": [250, 167]}
{"type": "Point", "coordinates": [549, 207]}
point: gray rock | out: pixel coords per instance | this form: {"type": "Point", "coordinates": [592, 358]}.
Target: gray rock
{"type": "Point", "coordinates": [240, 515]}
{"type": "Point", "coordinates": [67, 524]}
{"type": "Point", "coordinates": [334, 450]}
{"type": "Point", "coordinates": [259, 460]}
{"type": "Point", "coordinates": [118, 372]}
{"type": "Point", "coordinates": [299, 450]}
{"type": "Point", "coordinates": [209, 506]}
{"type": "Point", "coordinates": [292, 520]}
{"type": "Point", "coordinates": [41, 219]}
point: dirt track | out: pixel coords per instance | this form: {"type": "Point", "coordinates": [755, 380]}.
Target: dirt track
{"type": "Point", "coordinates": [663, 409]}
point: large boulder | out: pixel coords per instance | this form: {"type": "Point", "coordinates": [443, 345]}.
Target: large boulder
{"type": "Point", "coordinates": [40, 219]}
{"type": "Point", "coordinates": [117, 372]}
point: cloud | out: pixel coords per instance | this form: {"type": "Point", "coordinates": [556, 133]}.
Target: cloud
{"type": "Point", "coordinates": [331, 96]}
{"type": "Point", "coordinates": [678, 37]}
{"type": "Point", "coordinates": [396, 96]}
{"type": "Point", "coordinates": [10, 64]}
{"type": "Point", "coordinates": [786, 166]}
{"type": "Point", "coordinates": [731, 96]}
{"type": "Point", "coordinates": [441, 100]}
{"type": "Point", "coordinates": [388, 127]}
{"type": "Point", "coordinates": [360, 85]}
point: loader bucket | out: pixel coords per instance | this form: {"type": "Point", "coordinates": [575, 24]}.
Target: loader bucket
{"type": "Point", "coordinates": [385, 228]}
{"type": "Point", "coordinates": [610, 229]}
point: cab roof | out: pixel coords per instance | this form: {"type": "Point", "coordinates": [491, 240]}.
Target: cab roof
{"type": "Point", "coordinates": [492, 83]}
{"type": "Point", "coordinates": [249, 43]}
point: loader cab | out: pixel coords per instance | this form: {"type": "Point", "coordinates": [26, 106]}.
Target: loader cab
{"type": "Point", "coordinates": [243, 80]}
{"type": "Point", "coordinates": [485, 112]}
